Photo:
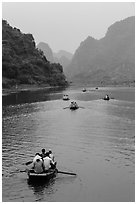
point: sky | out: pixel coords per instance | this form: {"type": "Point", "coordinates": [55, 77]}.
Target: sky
{"type": "Point", "coordinates": [64, 25]}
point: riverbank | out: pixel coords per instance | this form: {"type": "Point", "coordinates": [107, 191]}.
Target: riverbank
{"type": "Point", "coordinates": [25, 87]}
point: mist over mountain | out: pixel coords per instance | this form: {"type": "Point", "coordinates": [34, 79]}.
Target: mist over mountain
{"type": "Point", "coordinates": [47, 51]}
{"type": "Point", "coordinates": [63, 53]}
{"type": "Point", "coordinates": [62, 57]}
{"type": "Point", "coordinates": [110, 60]}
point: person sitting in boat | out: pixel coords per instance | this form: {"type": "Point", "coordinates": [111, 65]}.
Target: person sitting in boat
{"type": "Point", "coordinates": [37, 156]}
{"type": "Point", "coordinates": [38, 166]}
{"type": "Point", "coordinates": [72, 104]}
{"type": "Point", "coordinates": [76, 105]}
{"type": "Point", "coordinates": [106, 97]}
{"type": "Point", "coordinates": [51, 155]}
{"type": "Point", "coordinates": [43, 154]}
{"type": "Point", "coordinates": [48, 163]}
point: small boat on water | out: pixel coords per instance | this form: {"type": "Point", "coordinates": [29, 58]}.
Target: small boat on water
{"type": "Point", "coordinates": [45, 176]}
{"type": "Point", "coordinates": [65, 98]}
{"type": "Point", "coordinates": [73, 106]}
{"type": "Point", "coordinates": [106, 98]}
{"type": "Point", "coordinates": [84, 90]}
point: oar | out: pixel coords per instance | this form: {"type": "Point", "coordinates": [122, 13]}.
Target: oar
{"type": "Point", "coordinates": [81, 107]}
{"type": "Point", "coordinates": [22, 171]}
{"type": "Point", "coordinates": [29, 162]}
{"type": "Point", "coordinates": [64, 172]}
{"type": "Point", "coordinates": [65, 107]}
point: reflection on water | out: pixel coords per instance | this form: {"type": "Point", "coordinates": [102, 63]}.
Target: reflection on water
{"type": "Point", "coordinates": [96, 142]}
{"type": "Point", "coordinates": [32, 96]}
{"type": "Point", "coordinates": [39, 189]}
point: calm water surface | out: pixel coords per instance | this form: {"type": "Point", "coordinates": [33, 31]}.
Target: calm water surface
{"type": "Point", "coordinates": [97, 142]}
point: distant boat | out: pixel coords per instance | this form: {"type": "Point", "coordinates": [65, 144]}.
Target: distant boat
{"type": "Point", "coordinates": [96, 87]}
{"type": "Point", "coordinates": [84, 90]}
{"type": "Point", "coordinates": [106, 98]}
{"type": "Point", "coordinates": [65, 97]}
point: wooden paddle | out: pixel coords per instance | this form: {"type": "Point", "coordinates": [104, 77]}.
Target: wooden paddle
{"type": "Point", "coordinates": [29, 162]}
{"type": "Point", "coordinates": [23, 171]}
{"type": "Point", "coordinates": [61, 172]}
{"type": "Point", "coordinates": [69, 107]}
{"type": "Point", "coordinates": [64, 172]}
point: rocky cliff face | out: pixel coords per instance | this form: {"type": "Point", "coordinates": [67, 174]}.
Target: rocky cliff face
{"type": "Point", "coordinates": [110, 60]}
{"type": "Point", "coordinates": [62, 57]}
{"type": "Point", "coordinates": [23, 63]}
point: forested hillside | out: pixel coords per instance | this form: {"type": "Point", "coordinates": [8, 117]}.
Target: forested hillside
{"type": "Point", "coordinates": [23, 63]}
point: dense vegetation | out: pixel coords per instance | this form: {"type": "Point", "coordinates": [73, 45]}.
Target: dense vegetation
{"type": "Point", "coordinates": [23, 63]}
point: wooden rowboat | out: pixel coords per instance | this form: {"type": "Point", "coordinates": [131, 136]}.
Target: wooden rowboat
{"type": "Point", "coordinates": [73, 107]}
{"type": "Point", "coordinates": [45, 176]}
{"type": "Point", "coordinates": [65, 98]}
{"type": "Point", "coordinates": [84, 90]}
{"type": "Point", "coordinates": [106, 99]}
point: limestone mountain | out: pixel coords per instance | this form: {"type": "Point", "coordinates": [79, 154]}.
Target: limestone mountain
{"type": "Point", "coordinates": [63, 57]}
{"type": "Point", "coordinates": [47, 51]}
{"type": "Point", "coordinates": [110, 60]}
{"type": "Point", "coordinates": [23, 63]}
{"type": "Point", "coordinates": [63, 53]}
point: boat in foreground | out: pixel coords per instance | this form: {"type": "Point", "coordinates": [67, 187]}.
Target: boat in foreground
{"type": "Point", "coordinates": [45, 176]}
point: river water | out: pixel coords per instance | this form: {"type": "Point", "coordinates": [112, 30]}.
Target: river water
{"type": "Point", "coordinates": [97, 142]}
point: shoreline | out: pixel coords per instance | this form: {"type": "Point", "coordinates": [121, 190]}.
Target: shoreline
{"type": "Point", "coordinates": [22, 88]}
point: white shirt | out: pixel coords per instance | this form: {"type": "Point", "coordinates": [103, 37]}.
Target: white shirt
{"type": "Point", "coordinates": [47, 162]}
{"type": "Point", "coordinates": [36, 157]}
{"type": "Point", "coordinates": [51, 156]}
{"type": "Point", "coordinates": [38, 167]}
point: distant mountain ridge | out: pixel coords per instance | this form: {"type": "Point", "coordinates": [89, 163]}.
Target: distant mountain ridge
{"type": "Point", "coordinates": [62, 57]}
{"type": "Point", "coordinates": [110, 60]}
{"type": "Point", "coordinates": [63, 53]}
